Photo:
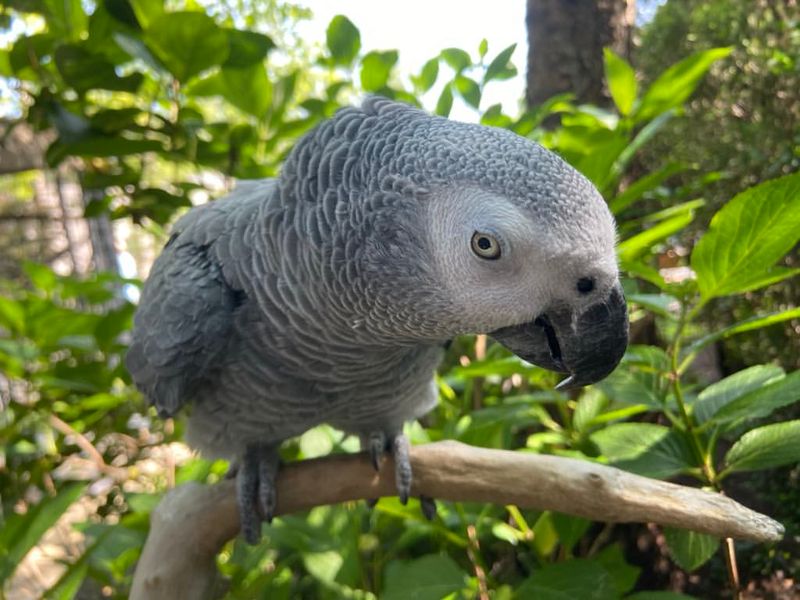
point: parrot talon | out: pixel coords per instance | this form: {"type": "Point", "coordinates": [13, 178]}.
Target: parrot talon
{"type": "Point", "coordinates": [402, 467]}
{"type": "Point", "coordinates": [255, 487]}
{"type": "Point", "coordinates": [377, 446]}
{"type": "Point", "coordinates": [428, 507]}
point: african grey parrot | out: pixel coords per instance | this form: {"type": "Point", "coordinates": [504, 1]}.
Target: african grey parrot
{"type": "Point", "coordinates": [326, 295]}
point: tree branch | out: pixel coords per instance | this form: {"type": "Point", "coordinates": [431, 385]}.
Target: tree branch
{"type": "Point", "coordinates": [194, 521]}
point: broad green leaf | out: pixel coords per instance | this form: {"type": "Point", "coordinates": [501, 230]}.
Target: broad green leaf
{"type": "Point", "coordinates": [12, 314]}
{"type": "Point", "coordinates": [645, 449]}
{"type": "Point", "coordinates": [631, 148]}
{"type": "Point", "coordinates": [766, 447]}
{"type": "Point", "coordinates": [579, 578]}
{"type": "Point", "coordinates": [5, 64]}
{"type": "Point", "coordinates": [763, 401]}
{"type": "Point", "coordinates": [445, 102]}
{"type": "Point", "coordinates": [136, 48]}
{"type": "Point", "coordinates": [84, 71]}
{"type": "Point", "coordinates": [428, 75]}
{"type": "Point", "coordinates": [500, 68]}
{"type": "Point", "coordinates": [635, 246]}
{"type": "Point", "coordinates": [569, 529]}
{"type": "Point", "coordinates": [457, 58]}
{"type": "Point", "coordinates": [691, 550]}
{"type": "Point", "coordinates": [324, 566]}
{"type": "Point", "coordinates": [21, 532]}
{"type": "Point", "coordinates": [621, 81]}
{"type": "Point", "coordinates": [67, 20]}
{"type": "Point", "coordinates": [247, 88]}
{"type": "Point", "coordinates": [639, 378]}
{"type": "Point", "coordinates": [636, 190]}
{"type": "Point", "coordinates": [343, 39]}
{"type": "Point", "coordinates": [246, 48]}
{"type": "Point", "coordinates": [661, 304]}
{"type": "Point", "coordinates": [591, 403]}
{"type": "Point", "coordinates": [747, 237]}
{"type": "Point", "coordinates": [469, 90]}
{"type": "Point", "coordinates": [147, 10]}
{"type": "Point", "coordinates": [376, 68]}
{"type": "Point", "coordinates": [432, 577]}
{"type": "Point", "coordinates": [187, 43]}
{"type": "Point", "coordinates": [750, 324]}
{"type": "Point", "coordinates": [623, 575]}
{"type": "Point", "coordinates": [725, 391]}
{"type": "Point", "coordinates": [677, 83]}
{"type": "Point", "coordinates": [494, 117]}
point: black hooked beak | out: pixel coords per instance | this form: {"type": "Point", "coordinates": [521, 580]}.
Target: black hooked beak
{"type": "Point", "coordinates": [588, 346]}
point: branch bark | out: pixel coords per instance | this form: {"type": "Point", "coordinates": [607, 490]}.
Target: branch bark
{"type": "Point", "coordinates": [194, 521]}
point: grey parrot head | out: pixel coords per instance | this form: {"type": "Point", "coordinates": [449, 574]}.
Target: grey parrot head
{"type": "Point", "coordinates": [478, 230]}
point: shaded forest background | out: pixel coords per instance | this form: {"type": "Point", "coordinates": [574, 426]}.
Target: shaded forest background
{"type": "Point", "coordinates": [120, 115]}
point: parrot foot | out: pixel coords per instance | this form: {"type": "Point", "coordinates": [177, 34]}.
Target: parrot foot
{"type": "Point", "coordinates": [255, 489]}
{"type": "Point", "coordinates": [376, 443]}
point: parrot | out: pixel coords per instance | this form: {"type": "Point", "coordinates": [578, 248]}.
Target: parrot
{"type": "Point", "coordinates": [329, 293]}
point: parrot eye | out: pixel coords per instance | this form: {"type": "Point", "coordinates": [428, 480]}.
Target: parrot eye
{"type": "Point", "coordinates": [585, 285]}
{"type": "Point", "coordinates": [485, 246]}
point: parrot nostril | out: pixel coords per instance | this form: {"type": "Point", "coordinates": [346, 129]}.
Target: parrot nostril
{"type": "Point", "coordinates": [585, 285]}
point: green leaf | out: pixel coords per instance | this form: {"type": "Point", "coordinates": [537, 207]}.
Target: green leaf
{"type": "Point", "coordinates": [639, 244]}
{"type": "Point", "coordinates": [343, 39]}
{"type": "Point", "coordinates": [247, 88]}
{"type": "Point", "coordinates": [623, 575]}
{"type": "Point", "coordinates": [12, 315]}
{"type": "Point", "coordinates": [483, 48]}
{"type": "Point", "coordinates": [638, 379]}
{"type": "Point", "coordinates": [22, 532]}
{"type": "Point", "coordinates": [568, 580]}
{"type": "Point", "coordinates": [84, 71]}
{"type": "Point", "coordinates": [246, 48]}
{"type": "Point", "coordinates": [187, 43]}
{"type": "Point", "coordinates": [621, 81]}
{"type": "Point", "coordinates": [691, 550]}
{"type": "Point", "coordinates": [677, 83]}
{"type": "Point", "coordinates": [147, 10]}
{"type": "Point", "coordinates": [427, 77]}
{"type": "Point", "coordinates": [662, 304]}
{"type": "Point", "coordinates": [469, 90]}
{"type": "Point", "coordinates": [570, 529]}
{"type": "Point", "coordinates": [67, 20]}
{"type": "Point", "coordinates": [766, 447]}
{"type": "Point", "coordinates": [376, 68]}
{"type": "Point", "coordinates": [636, 190]}
{"type": "Point", "coordinates": [136, 48]}
{"type": "Point", "coordinates": [747, 237]}
{"type": "Point", "coordinates": [756, 322]}
{"type": "Point", "coordinates": [431, 577]}
{"type": "Point", "coordinates": [500, 68]}
{"type": "Point", "coordinates": [456, 58]}
{"type": "Point", "coordinates": [725, 391]}
{"type": "Point", "coordinates": [445, 102]}
{"type": "Point", "coordinates": [763, 401]}
{"type": "Point", "coordinates": [645, 449]}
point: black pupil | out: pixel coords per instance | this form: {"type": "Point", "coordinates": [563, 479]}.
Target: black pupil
{"type": "Point", "coordinates": [484, 243]}
{"type": "Point", "coordinates": [585, 285]}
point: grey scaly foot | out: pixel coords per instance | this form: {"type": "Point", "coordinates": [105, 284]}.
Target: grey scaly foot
{"type": "Point", "coordinates": [376, 443]}
{"type": "Point", "coordinates": [255, 489]}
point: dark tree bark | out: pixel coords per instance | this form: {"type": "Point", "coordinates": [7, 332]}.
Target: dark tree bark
{"type": "Point", "coordinates": [565, 46]}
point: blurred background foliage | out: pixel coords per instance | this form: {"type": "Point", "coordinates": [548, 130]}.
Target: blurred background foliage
{"type": "Point", "coordinates": [140, 109]}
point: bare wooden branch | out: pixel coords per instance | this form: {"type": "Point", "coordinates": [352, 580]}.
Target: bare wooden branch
{"type": "Point", "coordinates": [194, 521]}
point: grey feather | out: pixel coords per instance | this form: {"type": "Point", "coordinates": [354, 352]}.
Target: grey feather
{"type": "Point", "coordinates": [317, 298]}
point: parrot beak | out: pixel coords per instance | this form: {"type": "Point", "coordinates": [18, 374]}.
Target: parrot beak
{"type": "Point", "coordinates": [588, 346]}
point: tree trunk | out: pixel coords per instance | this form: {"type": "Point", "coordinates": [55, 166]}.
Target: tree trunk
{"type": "Point", "coordinates": [565, 46]}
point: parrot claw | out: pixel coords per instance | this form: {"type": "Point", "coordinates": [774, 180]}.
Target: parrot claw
{"type": "Point", "coordinates": [402, 467]}
{"type": "Point", "coordinates": [255, 490]}
{"type": "Point", "coordinates": [377, 446]}
{"type": "Point", "coordinates": [428, 506]}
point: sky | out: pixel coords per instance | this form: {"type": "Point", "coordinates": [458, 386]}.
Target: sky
{"type": "Point", "coordinates": [420, 29]}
